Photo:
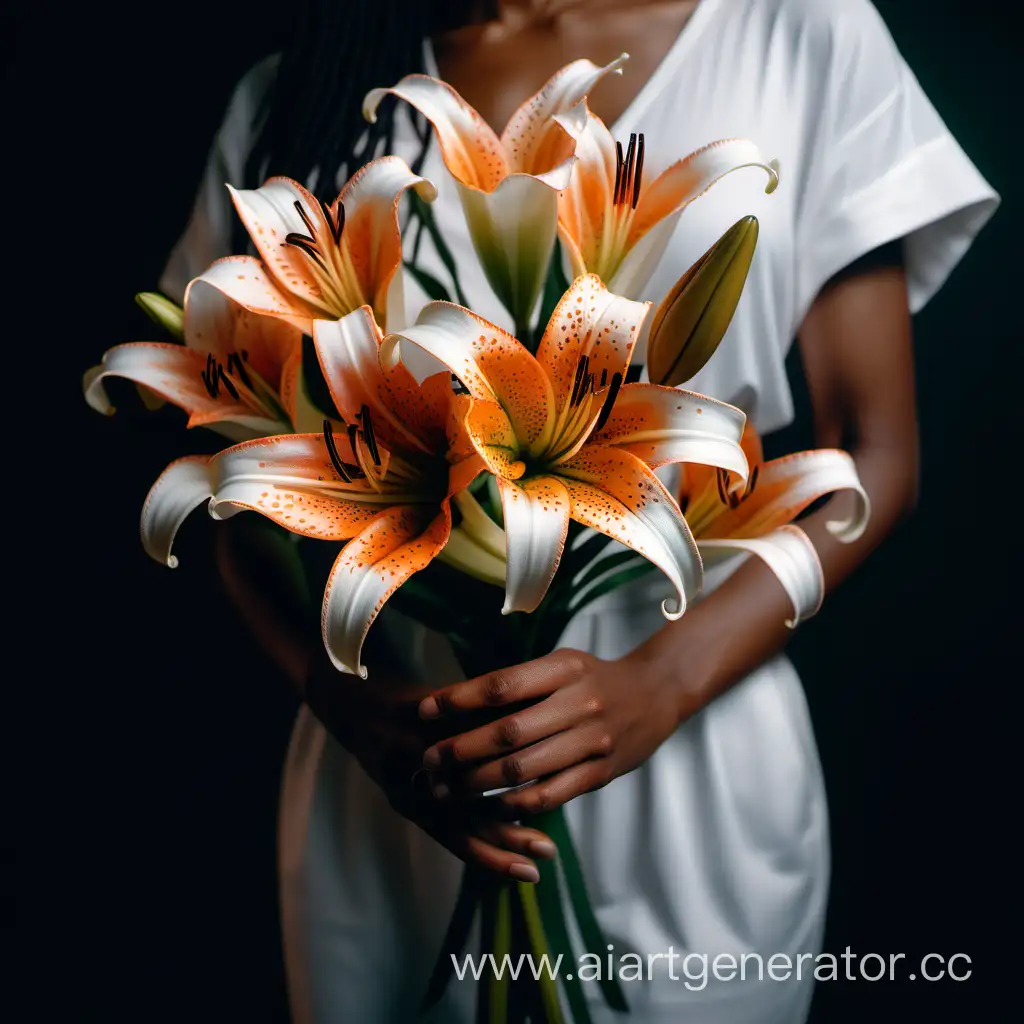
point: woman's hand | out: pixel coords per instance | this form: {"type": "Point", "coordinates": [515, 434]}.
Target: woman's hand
{"type": "Point", "coordinates": [575, 722]}
{"type": "Point", "coordinates": [378, 723]}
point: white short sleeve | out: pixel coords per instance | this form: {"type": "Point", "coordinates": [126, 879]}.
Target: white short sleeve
{"type": "Point", "coordinates": [886, 167]}
{"type": "Point", "coordinates": [210, 226]}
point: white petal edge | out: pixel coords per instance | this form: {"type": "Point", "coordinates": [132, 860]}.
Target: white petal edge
{"type": "Point", "coordinates": [536, 518]}
{"type": "Point", "coordinates": [181, 488]}
{"type": "Point", "coordinates": [789, 553]}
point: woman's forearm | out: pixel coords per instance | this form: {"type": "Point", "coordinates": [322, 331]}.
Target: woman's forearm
{"type": "Point", "coordinates": [741, 624]}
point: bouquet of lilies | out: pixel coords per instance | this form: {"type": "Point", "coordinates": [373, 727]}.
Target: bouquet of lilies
{"type": "Point", "coordinates": [481, 498]}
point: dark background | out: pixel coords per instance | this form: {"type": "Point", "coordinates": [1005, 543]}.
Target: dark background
{"type": "Point", "coordinates": [158, 747]}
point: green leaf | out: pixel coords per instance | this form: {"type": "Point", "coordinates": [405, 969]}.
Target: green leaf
{"type": "Point", "coordinates": [552, 1009]}
{"type": "Point", "coordinates": [430, 284]}
{"type": "Point", "coordinates": [553, 823]}
{"type": "Point", "coordinates": [501, 946]}
{"type": "Point", "coordinates": [422, 210]}
{"type": "Point", "coordinates": [606, 586]}
{"type": "Point", "coordinates": [553, 915]}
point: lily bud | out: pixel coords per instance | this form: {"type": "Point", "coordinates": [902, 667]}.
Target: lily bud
{"type": "Point", "coordinates": [693, 318]}
{"type": "Point", "coordinates": [163, 312]}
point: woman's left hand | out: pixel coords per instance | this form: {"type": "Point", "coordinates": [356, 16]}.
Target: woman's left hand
{"type": "Point", "coordinates": [575, 722]}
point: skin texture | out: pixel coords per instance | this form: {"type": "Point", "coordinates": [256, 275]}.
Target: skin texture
{"type": "Point", "coordinates": [570, 719]}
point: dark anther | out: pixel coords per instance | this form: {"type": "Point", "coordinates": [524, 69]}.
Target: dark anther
{"type": "Point", "coordinates": [684, 503]}
{"type": "Point", "coordinates": [236, 367]}
{"type": "Point", "coordinates": [578, 383]}
{"type": "Point", "coordinates": [332, 450]}
{"type": "Point", "coordinates": [604, 377]}
{"type": "Point", "coordinates": [609, 401]}
{"type": "Point", "coordinates": [226, 380]}
{"type": "Point", "coordinates": [722, 493]}
{"type": "Point", "coordinates": [305, 219]}
{"type": "Point", "coordinates": [371, 440]}
{"type": "Point", "coordinates": [618, 173]}
{"type": "Point", "coordinates": [305, 244]}
{"type": "Point", "coordinates": [210, 376]}
{"type": "Point", "coordinates": [639, 170]}
{"type": "Point", "coordinates": [336, 227]}
{"type": "Point", "coordinates": [752, 482]}
{"type": "Point", "coordinates": [458, 387]}
{"type": "Point", "coordinates": [627, 172]}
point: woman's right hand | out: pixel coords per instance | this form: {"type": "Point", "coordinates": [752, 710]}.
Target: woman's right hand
{"type": "Point", "coordinates": [378, 722]}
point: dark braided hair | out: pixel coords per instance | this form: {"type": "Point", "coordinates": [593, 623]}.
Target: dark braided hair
{"type": "Point", "coordinates": [311, 126]}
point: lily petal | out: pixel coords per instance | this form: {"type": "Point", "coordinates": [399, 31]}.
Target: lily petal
{"type": "Point", "coordinates": [182, 487]}
{"type": "Point", "coordinates": [785, 487]}
{"type": "Point", "coordinates": [174, 372]}
{"type": "Point", "coordinates": [536, 516]}
{"type": "Point", "coordinates": [684, 181]}
{"type": "Point", "coordinates": [513, 230]}
{"type": "Point", "coordinates": [789, 553]}
{"type": "Point", "coordinates": [471, 150]}
{"type": "Point", "coordinates": [214, 323]}
{"type": "Point", "coordinates": [371, 567]}
{"type": "Point", "coordinates": [488, 361]}
{"type": "Point", "coordinates": [615, 493]}
{"type": "Point", "coordinates": [404, 416]}
{"type": "Point", "coordinates": [661, 425]}
{"type": "Point", "coordinates": [292, 480]}
{"type": "Point", "coordinates": [593, 322]}
{"type": "Point", "coordinates": [532, 136]}
{"type": "Point", "coordinates": [245, 280]}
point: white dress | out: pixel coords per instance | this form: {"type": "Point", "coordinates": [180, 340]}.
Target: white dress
{"type": "Point", "coordinates": [719, 843]}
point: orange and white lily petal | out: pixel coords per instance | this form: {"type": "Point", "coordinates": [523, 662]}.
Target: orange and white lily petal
{"type": "Point", "coordinates": [236, 373]}
{"type": "Point", "coordinates": [383, 482]}
{"type": "Point", "coordinates": [541, 423]}
{"type": "Point", "coordinates": [508, 184]}
{"type": "Point", "coordinates": [319, 261]}
{"type": "Point", "coordinates": [617, 224]}
{"type": "Point", "coordinates": [728, 516]}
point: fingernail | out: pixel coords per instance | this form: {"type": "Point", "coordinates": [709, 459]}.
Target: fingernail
{"type": "Point", "coordinates": [525, 873]}
{"type": "Point", "coordinates": [429, 708]}
{"type": "Point", "coordinates": [441, 790]}
{"type": "Point", "coordinates": [432, 758]}
{"type": "Point", "coordinates": [542, 848]}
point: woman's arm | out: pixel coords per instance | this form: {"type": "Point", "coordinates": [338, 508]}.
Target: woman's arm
{"type": "Point", "coordinates": [594, 720]}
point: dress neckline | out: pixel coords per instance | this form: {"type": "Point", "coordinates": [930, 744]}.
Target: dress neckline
{"type": "Point", "coordinates": [685, 41]}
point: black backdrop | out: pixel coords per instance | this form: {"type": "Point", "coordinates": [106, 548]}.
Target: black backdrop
{"type": "Point", "coordinates": [155, 757]}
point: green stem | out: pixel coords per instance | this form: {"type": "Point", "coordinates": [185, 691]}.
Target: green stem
{"type": "Point", "coordinates": [539, 947]}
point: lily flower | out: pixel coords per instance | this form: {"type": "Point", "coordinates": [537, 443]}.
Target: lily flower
{"type": "Point", "coordinates": [382, 482]}
{"type": "Point", "coordinates": [566, 439]}
{"type": "Point", "coordinates": [729, 516]}
{"type": "Point", "coordinates": [320, 262]}
{"type": "Point", "coordinates": [615, 223]}
{"type": "Point", "coordinates": [236, 373]}
{"type": "Point", "coordinates": [509, 184]}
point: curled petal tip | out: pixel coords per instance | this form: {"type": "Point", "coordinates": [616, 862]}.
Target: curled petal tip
{"type": "Point", "coordinates": [672, 609]}
{"type": "Point", "coordinates": [371, 102]}
{"type": "Point", "coordinates": [426, 190]}
{"type": "Point", "coordinates": [773, 177]}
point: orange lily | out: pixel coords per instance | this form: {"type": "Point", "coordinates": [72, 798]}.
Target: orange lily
{"type": "Point", "coordinates": [615, 224]}
{"type": "Point", "coordinates": [727, 516]}
{"type": "Point", "coordinates": [384, 485]}
{"type": "Point", "coordinates": [509, 183]}
{"type": "Point", "coordinates": [566, 439]}
{"type": "Point", "coordinates": [237, 373]}
{"type": "Point", "coordinates": [320, 262]}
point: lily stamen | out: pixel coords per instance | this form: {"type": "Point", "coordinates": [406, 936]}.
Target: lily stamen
{"type": "Point", "coordinates": [368, 435]}
{"type": "Point", "coordinates": [628, 171]}
{"type": "Point", "coordinates": [332, 451]}
{"type": "Point", "coordinates": [609, 401]}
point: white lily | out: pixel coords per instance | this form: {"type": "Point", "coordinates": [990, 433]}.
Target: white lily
{"type": "Point", "coordinates": [756, 517]}
{"type": "Point", "coordinates": [509, 184]}
{"type": "Point", "coordinates": [616, 224]}
{"type": "Point", "coordinates": [383, 486]}
{"type": "Point", "coordinates": [320, 262]}
{"type": "Point", "coordinates": [566, 439]}
{"type": "Point", "coordinates": [236, 373]}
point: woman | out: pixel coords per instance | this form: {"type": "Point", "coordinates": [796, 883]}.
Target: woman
{"type": "Point", "coordinates": [685, 748]}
